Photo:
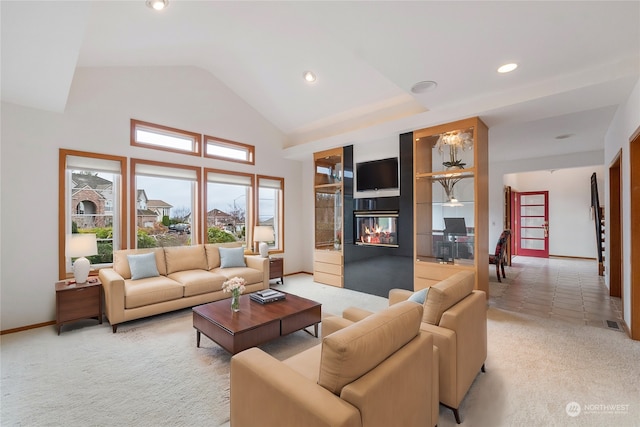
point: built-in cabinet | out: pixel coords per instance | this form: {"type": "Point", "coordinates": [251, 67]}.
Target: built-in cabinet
{"type": "Point", "coordinates": [451, 202]}
{"type": "Point", "coordinates": [328, 265]}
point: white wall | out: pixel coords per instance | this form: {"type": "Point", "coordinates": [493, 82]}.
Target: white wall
{"type": "Point", "coordinates": [571, 225]}
{"type": "Point", "coordinates": [100, 105]}
{"type": "Point", "coordinates": [625, 122]}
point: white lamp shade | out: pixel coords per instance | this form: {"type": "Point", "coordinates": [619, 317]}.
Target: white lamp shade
{"type": "Point", "coordinates": [263, 233]}
{"type": "Point", "coordinates": [79, 246]}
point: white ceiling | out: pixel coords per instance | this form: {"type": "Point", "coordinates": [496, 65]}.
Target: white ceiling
{"type": "Point", "coordinates": [577, 62]}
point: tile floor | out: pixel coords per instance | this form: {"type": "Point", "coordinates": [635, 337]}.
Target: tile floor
{"type": "Point", "coordinates": [558, 288]}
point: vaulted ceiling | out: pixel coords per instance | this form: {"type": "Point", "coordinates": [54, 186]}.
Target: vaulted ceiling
{"type": "Point", "coordinates": [577, 62]}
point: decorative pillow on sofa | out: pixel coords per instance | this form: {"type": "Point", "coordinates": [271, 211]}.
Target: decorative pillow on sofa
{"type": "Point", "coordinates": [143, 266]}
{"type": "Point", "coordinates": [213, 252]}
{"type": "Point", "coordinates": [446, 294]}
{"type": "Point", "coordinates": [419, 296]}
{"type": "Point", "coordinates": [232, 257]}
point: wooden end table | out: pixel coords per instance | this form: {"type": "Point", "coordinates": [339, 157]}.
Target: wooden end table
{"type": "Point", "coordinates": [276, 269]}
{"type": "Point", "coordinates": [77, 301]}
{"type": "Point", "coordinates": [255, 323]}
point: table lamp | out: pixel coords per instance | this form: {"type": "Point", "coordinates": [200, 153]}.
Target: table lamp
{"type": "Point", "coordinates": [79, 246]}
{"type": "Point", "coordinates": [263, 234]}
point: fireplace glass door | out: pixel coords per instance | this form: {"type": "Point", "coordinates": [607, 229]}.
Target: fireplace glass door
{"type": "Point", "coordinates": [376, 228]}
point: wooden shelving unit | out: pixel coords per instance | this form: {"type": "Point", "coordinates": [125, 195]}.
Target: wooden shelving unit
{"type": "Point", "coordinates": [451, 188]}
{"type": "Point", "coordinates": [328, 266]}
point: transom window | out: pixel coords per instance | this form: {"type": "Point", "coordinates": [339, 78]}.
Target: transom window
{"type": "Point", "coordinates": [149, 135]}
{"type": "Point", "coordinates": [224, 149]}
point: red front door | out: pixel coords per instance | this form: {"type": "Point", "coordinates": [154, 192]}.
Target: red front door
{"type": "Point", "coordinates": [532, 224]}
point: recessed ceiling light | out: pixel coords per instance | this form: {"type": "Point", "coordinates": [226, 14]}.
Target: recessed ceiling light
{"type": "Point", "coordinates": [309, 76]}
{"type": "Point", "coordinates": [507, 68]}
{"type": "Point", "coordinates": [157, 4]}
{"type": "Point", "coordinates": [424, 86]}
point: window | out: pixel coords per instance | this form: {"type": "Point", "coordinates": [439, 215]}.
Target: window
{"type": "Point", "coordinates": [271, 208]}
{"type": "Point", "coordinates": [159, 137]}
{"type": "Point", "coordinates": [223, 149]}
{"type": "Point", "coordinates": [91, 201]}
{"type": "Point", "coordinates": [164, 204]}
{"type": "Point", "coordinates": [229, 206]}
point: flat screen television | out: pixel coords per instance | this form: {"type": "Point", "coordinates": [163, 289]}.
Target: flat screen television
{"type": "Point", "coordinates": [377, 174]}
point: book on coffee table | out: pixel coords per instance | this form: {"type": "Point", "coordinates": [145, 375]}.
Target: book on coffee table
{"type": "Point", "coordinates": [267, 295]}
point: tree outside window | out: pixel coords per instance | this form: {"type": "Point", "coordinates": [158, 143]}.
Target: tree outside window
{"type": "Point", "coordinates": [165, 201]}
{"type": "Point", "coordinates": [228, 200]}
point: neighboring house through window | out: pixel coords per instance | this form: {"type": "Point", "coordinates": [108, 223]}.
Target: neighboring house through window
{"type": "Point", "coordinates": [159, 189]}
{"type": "Point", "coordinates": [90, 197]}
{"type": "Point", "coordinates": [228, 200]}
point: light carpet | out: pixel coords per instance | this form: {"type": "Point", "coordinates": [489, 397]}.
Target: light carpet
{"type": "Point", "coordinates": [150, 373]}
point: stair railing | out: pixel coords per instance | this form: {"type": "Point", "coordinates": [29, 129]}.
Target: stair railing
{"type": "Point", "coordinates": [597, 216]}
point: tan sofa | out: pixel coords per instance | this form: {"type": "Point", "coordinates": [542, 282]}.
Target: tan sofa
{"type": "Point", "coordinates": [187, 276]}
{"type": "Point", "coordinates": [370, 373]}
{"type": "Point", "coordinates": [456, 316]}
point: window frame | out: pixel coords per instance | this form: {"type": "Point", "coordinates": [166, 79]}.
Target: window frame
{"type": "Point", "coordinates": [249, 216]}
{"type": "Point", "coordinates": [280, 237]}
{"type": "Point", "coordinates": [195, 212]}
{"type": "Point", "coordinates": [197, 138]}
{"type": "Point", "coordinates": [251, 150]}
{"type": "Point", "coordinates": [63, 212]}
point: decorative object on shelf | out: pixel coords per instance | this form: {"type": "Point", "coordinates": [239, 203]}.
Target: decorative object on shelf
{"type": "Point", "coordinates": [79, 246]}
{"type": "Point", "coordinates": [263, 234]}
{"type": "Point", "coordinates": [454, 140]}
{"type": "Point", "coordinates": [234, 285]}
{"type": "Point", "coordinates": [448, 181]}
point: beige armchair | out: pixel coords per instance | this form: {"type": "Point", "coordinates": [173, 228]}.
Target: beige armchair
{"type": "Point", "coordinates": [456, 316]}
{"type": "Point", "coordinates": [365, 374]}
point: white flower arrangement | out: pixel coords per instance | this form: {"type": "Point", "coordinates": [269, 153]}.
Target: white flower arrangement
{"type": "Point", "coordinates": [235, 284]}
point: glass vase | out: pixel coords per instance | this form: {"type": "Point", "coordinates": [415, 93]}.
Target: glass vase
{"type": "Point", "coordinates": [235, 300]}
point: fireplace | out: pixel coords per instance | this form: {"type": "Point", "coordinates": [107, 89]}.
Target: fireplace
{"type": "Point", "coordinates": [376, 228]}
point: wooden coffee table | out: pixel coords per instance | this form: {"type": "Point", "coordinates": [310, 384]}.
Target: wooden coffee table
{"type": "Point", "coordinates": [255, 323]}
